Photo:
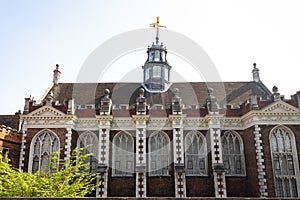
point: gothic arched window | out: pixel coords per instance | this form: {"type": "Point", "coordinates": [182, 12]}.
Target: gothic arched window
{"type": "Point", "coordinates": [285, 162]}
{"type": "Point", "coordinates": [123, 155]}
{"type": "Point", "coordinates": [195, 154]}
{"type": "Point", "coordinates": [42, 147]}
{"type": "Point", "coordinates": [159, 148]}
{"type": "Point", "coordinates": [89, 142]}
{"type": "Point", "coordinates": [233, 154]}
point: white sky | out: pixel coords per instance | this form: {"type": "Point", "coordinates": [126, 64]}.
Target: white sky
{"type": "Point", "coordinates": [35, 35]}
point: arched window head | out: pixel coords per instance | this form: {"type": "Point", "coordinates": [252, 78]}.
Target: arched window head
{"type": "Point", "coordinates": [89, 142]}
{"type": "Point", "coordinates": [285, 162]}
{"type": "Point", "coordinates": [195, 154]}
{"type": "Point", "coordinates": [159, 148]}
{"type": "Point", "coordinates": [123, 155]}
{"type": "Point", "coordinates": [42, 147]}
{"type": "Point", "coordinates": [233, 154]}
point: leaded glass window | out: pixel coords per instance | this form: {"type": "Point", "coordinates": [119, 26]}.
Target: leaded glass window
{"type": "Point", "coordinates": [195, 154]}
{"type": "Point", "coordinates": [233, 154]}
{"type": "Point", "coordinates": [159, 148]}
{"type": "Point", "coordinates": [156, 71]}
{"type": "Point", "coordinates": [43, 146]}
{"type": "Point", "coordinates": [89, 142]}
{"type": "Point", "coordinates": [284, 162]}
{"type": "Point", "coordinates": [123, 155]}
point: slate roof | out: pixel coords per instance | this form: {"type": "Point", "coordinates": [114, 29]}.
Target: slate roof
{"type": "Point", "coordinates": [192, 93]}
{"type": "Point", "coordinates": [10, 121]}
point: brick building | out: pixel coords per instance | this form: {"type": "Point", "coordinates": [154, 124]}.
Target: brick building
{"type": "Point", "coordinates": [10, 138]}
{"type": "Point", "coordinates": [163, 139]}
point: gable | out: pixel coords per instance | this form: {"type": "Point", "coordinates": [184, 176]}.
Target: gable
{"type": "Point", "coordinates": [280, 107]}
{"type": "Point", "coordinates": [46, 111]}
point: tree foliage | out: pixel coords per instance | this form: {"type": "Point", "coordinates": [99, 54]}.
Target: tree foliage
{"type": "Point", "coordinates": [68, 178]}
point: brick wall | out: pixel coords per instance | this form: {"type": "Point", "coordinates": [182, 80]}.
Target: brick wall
{"type": "Point", "coordinates": [10, 141]}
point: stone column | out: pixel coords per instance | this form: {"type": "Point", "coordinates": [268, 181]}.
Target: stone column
{"type": "Point", "coordinates": [214, 123]}
{"type": "Point", "coordinates": [178, 155]}
{"type": "Point", "coordinates": [141, 170]}
{"type": "Point", "coordinates": [103, 153]}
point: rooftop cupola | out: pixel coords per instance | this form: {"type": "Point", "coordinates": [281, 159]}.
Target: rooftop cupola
{"type": "Point", "coordinates": [156, 68]}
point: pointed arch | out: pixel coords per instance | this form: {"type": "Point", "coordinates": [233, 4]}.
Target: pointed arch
{"type": "Point", "coordinates": [123, 154]}
{"type": "Point", "coordinates": [159, 154]}
{"type": "Point", "coordinates": [195, 154]}
{"type": "Point", "coordinates": [43, 144]}
{"type": "Point", "coordinates": [233, 154]}
{"type": "Point", "coordinates": [89, 142]}
{"type": "Point", "coordinates": [284, 161]}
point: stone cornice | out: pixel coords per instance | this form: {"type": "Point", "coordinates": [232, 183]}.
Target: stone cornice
{"type": "Point", "coordinates": [136, 118]}
{"type": "Point", "coordinates": [276, 113]}
{"type": "Point", "coordinates": [104, 117]}
{"type": "Point", "coordinates": [177, 117]}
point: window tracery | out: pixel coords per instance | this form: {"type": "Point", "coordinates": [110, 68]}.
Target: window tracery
{"type": "Point", "coordinates": [89, 142]}
{"type": "Point", "coordinates": [195, 154]}
{"type": "Point", "coordinates": [43, 146]}
{"type": "Point", "coordinates": [123, 155]}
{"type": "Point", "coordinates": [159, 148]}
{"type": "Point", "coordinates": [284, 160]}
{"type": "Point", "coordinates": [233, 154]}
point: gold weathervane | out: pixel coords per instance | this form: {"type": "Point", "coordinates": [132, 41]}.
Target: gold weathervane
{"type": "Point", "coordinates": [157, 26]}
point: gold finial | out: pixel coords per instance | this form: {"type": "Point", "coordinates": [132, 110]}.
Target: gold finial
{"type": "Point", "coordinates": [157, 26]}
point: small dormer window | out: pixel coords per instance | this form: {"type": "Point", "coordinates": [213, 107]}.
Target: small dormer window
{"type": "Point", "coordinates": [156, 71]}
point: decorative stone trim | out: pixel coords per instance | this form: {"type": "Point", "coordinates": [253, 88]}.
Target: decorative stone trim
{"type": "Point", "coordinates": [102, 179]}
{"type": "Point", "coordinates": [103, 146]}
{"type": "Point", "coordinates": [262, 182]}
{"type": "Point", "coordinates": [68, 143]}
{"type": "Point", "coordinates": [180, 184]}
{"type": "Point", "coordinates": [22, 151]}
{"type": "Point", "coordinates": [67, 117]}
{"type": "Point", "coordinates": [216, 146]}
{"type": "Point", "coordinates": [140, 119]}
{"type": "Point", "coordinates": [178, 155]}
{"type": "Point", "coordinates": [103, 153]}
{"type": "Point", "coordinates": [219, 180]}
{"type": "Point", "coordinates": [103, 160]}
{"type": "Point", "coordinates": [141, 178]}
{"type": "Point", "coordinates": [216, 153]}
{"type": "Point", "coordinates": [141, 185]}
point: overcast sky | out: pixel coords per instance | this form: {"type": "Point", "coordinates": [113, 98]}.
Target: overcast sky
{"type": "Point", "coordinates": [35, 35]}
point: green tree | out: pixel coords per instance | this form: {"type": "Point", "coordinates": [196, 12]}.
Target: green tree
{"type": "Point", "coordinates": [68, 178]}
